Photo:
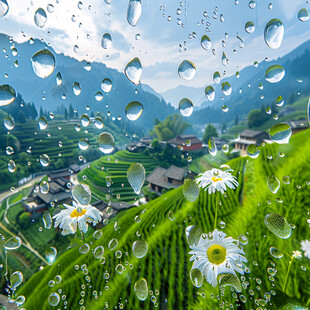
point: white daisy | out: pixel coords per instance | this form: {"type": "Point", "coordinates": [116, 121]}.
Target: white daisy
{"type": "Point", "coordinates": [217, 256]}
{"type": "Point", "coordinates": [76, 216]}
{"type": "Point", "coordinates": [297, 254]}
{"type": "Point", "coordinates": [305, 246]}
{"type": "Point", "coordinates": [216, 180]}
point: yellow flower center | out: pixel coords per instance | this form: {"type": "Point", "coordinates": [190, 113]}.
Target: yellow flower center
{"type": "Point", "coordinates": [216, 254]}
{"type": "Point", "coordinates": [78, 212]}
{"type": "Point", "coordinates": [215, 179]}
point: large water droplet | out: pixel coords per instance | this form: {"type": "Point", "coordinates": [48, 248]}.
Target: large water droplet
{"type": "Point", "coordinates": [76, 88]}
{"type": "Point", "coordinates": [141, 289]}
{"type": "Point", "coordinates": [83, 144]}
{"type": "Point", "coordinates": [193, 234]}
{"type": "Point", "coordinates": [113, 244]}
{"type": "Point", "coordinates": [226, 88]}
{"type": "Point", "coordinates": [136, 177]}
{"type": "Point", "coordinates": [40, 17]}
{"type": "Point", "coordinates": [85, 120]}
{"type": "Point", "coordinates": [274, 74]}
{"type": "Point", "coordinates": [303, 15]}
{"type": "Point", "coordinates": [98, 252]}
{"type": "Point", "coordinates": [224, 59]}
{"type": "Point", "coordinates": [212, 147]}
{"type": "Point", "coordinates": [253, 151]}
{"type": "Point", "coordinates": [11, 166]}
{"type": "Point", "coordinates": [273, 183]}
{"type": "Point", "coordinates": [84, 248]}
{"type": "Point", "coordinates": [280, 133]}
{"type": "Point", "coordinates": [106, 41]}
{"type": "Point", "coordinates": [106, 143]}
{"type": "Point", "coordinates": [15, 280]}
{"type": "Point", "coordinates": [134, 12]}
{"type": "Point", "coordinates": [186, 107]}
{"type": "Point", "coordinates": [4, 7]}
{"type": "Point", "coordinates": [133, 71]}
{"type": "Point", "coordinates": [186, 70]}
{"type": "Point", "coordinates": [274, 32]}
{"type": "Point", "coordinates": [47, 220]}
{"type": "Point", "coordinates": [42, 122]}
{"type": "Point", "coordinates": [43, 63]}
{"type": "Point", "coordinates": [217, 77]}
{"type": "Point", "coordinates": [106, 85]}
{"type": "Point", "coordinates": [190, 190]}
{"type": "Point", "coordinates": [9, 122]}
{"type": "Point", "coordinates": [249, 27]}
{"type": "Point", "coordinates": [278, 225]}
{"type": "Point", "coordinates": [230, 280]}
{"type": "Point", "coordinates": [50, 254]}
{"type": "Point", "coordinates": [139, 248]}
{"type": "Point", "coordinates": [210, 93]}
{"type": "Point", "coordinates": [53, 299]}
{"type": "Point", "coordinates": [276, 253]}
{"type": "Point", "coordinates": [7, 94]}
{"type": "Point", "coordinates": [13, 243]}
{"type": "Point", "coordinates": [196, 277]}
{"type": "Point", "coordinates": [82, 194]}
{"type": "Point", "coordinates": [58, 79]}
{"type": "Point", "coordinates": [205, 42]}
{"type": "Point", "coordinates": [44, 160]}
{"type": "Point", "coordinates": [133, 110]}
{"type": "Point", "coordinates": [280, 101]}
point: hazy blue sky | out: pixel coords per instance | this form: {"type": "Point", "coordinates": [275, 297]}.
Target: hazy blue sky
{"type": "Point", "coordinates": [158, 48]}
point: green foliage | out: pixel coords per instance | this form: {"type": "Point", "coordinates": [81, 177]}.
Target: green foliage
{"type": "Point", "coordinates": [156, 145]}
{"type": "Point", "coordinates": [210, 132]}
{"type": "Point", "coordinates": [24, 220]}
{"type": "Point", "coordinates": [171, 127]}
{"type": "Point", "coordinates": [257, 118]}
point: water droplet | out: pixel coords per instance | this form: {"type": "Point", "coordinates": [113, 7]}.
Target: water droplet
{"type": "Point", "coordinates": [106, 85]}
{"type": "Point", "coordinates": [187, 70]}
{"type": "Point", "coordinates": [9, 150]}
{"type": "Point", "coordinates": [98, 122]}
{"type": "Point", "coordinates": [15, 280]}
{"type": "Point", "coordinates": [11, 166]}
{"type": "Point", "coordinates": [274, 32]}
{"type": "Point", "coordinates": [224, 59]}
{"type": "Point", "coordinates": [141, 289]}
{"type": "Point", "coordinates": [210, 93]}
{"type": "Point", "coordinates": [134, 12]}
{"type": "Point", "coordinates": [42, 122]}
{"type": "Point", "coordinates": [133, 110]}
{"type": "Point", "coordinates": [190, 190]}
{"type": "Point", "coordinates": [84, 248]}
{"type": "Point", "coordinates": [112, 244]}
{"type": "Point", "coordinates": [81, 194]}
{"type": "Point", "coordinates": [242, 239]}
{"type": "Point", "coordinates": [230, 280]}
{"type": "Point", "coordinates": [274, 74]}
{"type": "Point", "coordinates": [106, 143]}
{"type": "Point", "coordinates": [279, 101]}
{"type": "Point", "coordinates": [106, 41]}
{"type": "Point", "coordinates": [193, 234]}
{"type": "Point", "coordinates": [273, 184]}
{"type": "Point", "coordinates": [43, 63]}
{"type": "Point", "coordinates": [205, 42]}
{"type": "Point", "coordinates": [278, 225]}
{"type": "Point", "coordinates": [186, 107]}
{"type": "Point", "coordinates": [8, 121]}
{"type": "Point", "coordinates": [47, 220]}
{"type": "Point", "coordinates": [20, 300]}
{"type": "Point", "coordinates": [212, 147]}
{"type": "Point", "coordinates": [40, 17]}
{"type": "Point", "coordinates": [98, 252]}
{"type": "Point", "coordinates": [83, 144]}
{"type": "Point", "coordinates": [133, 71]}
{"type": "Point", "coordinates": [58, 79]}
{"type": "Point", "coordinates": [276, 253]}
{"type": "Point", "coordinates": [139, 248]}
{"type": "Point", "coordinates": [280, 133]}
{"type": "Point", "coordinates": [53, 299]}
{"type": "Point", "coordinates": [249, 27]}
{"type": "Point", "coordinates": [7, 94]}
{"type": "Point", "coordinates": [85, 120]}
{"type": "Point", "coordinates": [303, 15]}
{"type": "Point", "coordinates": [13, 243]}
{"type": "Point", "coordinates": [4, 7]}
{"type": "Point", "coordinates": [252, 4]}
{"type": "Point", "coordinates": [217, 77]}
{"type": "Point", "coordinates": [44, 160]}
{"type": "Point", "coordinates": [253, 151]}
{"type": "Point", "coordinates": [226, 88]}
{"type": "Point", "coordinates": [76, 88]}
{"type": "Point", "coordinates": [97, 234]}
{"type": "Point", "coordinates": [98, 96]}
{"type": "Point", "coordinates": [136, 177]}
{"type": "Point", "coordinates": [50, 254]}
{"type": "Point", "coordinates": [286, 179]}
{"type": "Point", "coordinates": [196, 277]}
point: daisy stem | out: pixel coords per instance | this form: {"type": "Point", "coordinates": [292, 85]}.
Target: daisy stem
{"type": "Point", "coordinates": [308, 302]}
{"type": "Point", "coordinates": [83, 236]}
{"type": "Point", "coordinates": [287, 274]}
{"type": "Point", "coordinates": [215, 215]}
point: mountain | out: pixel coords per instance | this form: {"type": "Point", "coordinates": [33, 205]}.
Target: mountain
{"type": "Point", "coordinates": [46, 93]}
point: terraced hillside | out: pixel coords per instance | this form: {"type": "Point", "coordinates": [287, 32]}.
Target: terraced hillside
{"type": "Point", "coordinates": [115, 166]}
{"type": "Point", "coordinates": [87, 281]}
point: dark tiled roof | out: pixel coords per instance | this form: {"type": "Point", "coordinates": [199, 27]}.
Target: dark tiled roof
{"type": "Point", "coordinates": [49, 197]}
{"type": "Point", "coordinates": [251, 133]}
{"type": "Point", "coordinates": [158, 177]}
{"type": "Point", "coordinates": [180, 140]}
{"type": "Point", "coordinates": [54, 187]}
{"type": "Point", "coordinates": [75, 168]}
{"type": "Point", "coordinates": [175, 173]}
{"type": "Point", "coordinates": [298, 124]}
{"type": "Point", "coordinates": [59, 173]}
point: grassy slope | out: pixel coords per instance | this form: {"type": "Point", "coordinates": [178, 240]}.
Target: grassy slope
{"type": "Point", "coordinates": [116, 167]}
{"type": "Point", "coordinates": [166, 265]}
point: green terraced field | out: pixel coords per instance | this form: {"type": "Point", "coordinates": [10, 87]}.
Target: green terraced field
{"type": "Point", "coordinates": [166, 266]}
{"type": "Point", "coordinates": [115, 166]}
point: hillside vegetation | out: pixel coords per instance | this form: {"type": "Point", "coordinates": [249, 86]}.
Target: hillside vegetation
{"type": "Point", "coordinates": [166, 266]}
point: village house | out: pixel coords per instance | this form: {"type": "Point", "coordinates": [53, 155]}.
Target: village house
{"type": "Point", "coordinates": [186, 143]}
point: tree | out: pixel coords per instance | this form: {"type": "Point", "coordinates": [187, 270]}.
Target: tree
{"type": "Point", "coordinates": [70, 111]}
{"type": "Point", "coordinates": [257, 118]}
{"type": "Point", "coordinates": [66, 114]}
{"type": "Point", "coordinates": [236, 119]}
{"type": "Point", "coordinates": [210, 132]}
{"type": "Point", "coordinates": [24, 220]}
{"type": "Point", "coordinates": [168, 153]}
{"type": "Point", "coordinates": [41, 112]}
{"type": "Point", "coordinates": [156, 145]}
{"type": "Point", "coordinates": [223, 130]}
{"type": "Point", "coordinates": [21, 117]}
